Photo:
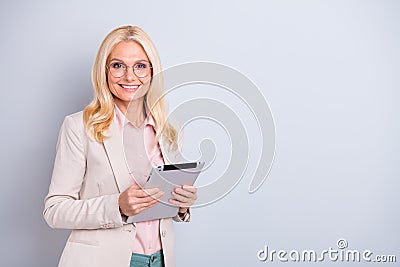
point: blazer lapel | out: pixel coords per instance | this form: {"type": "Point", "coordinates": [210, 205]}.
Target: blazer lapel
{"type": "Point", "coordinates": [115, 152]}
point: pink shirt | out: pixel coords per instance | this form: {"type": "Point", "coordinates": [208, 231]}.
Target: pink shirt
{"type": "Point", "coordinates": [143, 157]}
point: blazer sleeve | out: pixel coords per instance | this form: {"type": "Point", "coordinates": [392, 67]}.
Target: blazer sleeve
{"type": "Point", "coordinates": [63, 206]}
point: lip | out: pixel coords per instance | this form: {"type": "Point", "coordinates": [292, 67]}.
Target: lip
{"type": "Point", "coordinates": [129, 87]}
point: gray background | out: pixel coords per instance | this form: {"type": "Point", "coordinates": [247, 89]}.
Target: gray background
{"type": "Point", "coordinates": [329, 70]}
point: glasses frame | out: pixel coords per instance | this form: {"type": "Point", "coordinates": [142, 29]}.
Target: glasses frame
{"type": "Point", "coordinates": [126, 68]}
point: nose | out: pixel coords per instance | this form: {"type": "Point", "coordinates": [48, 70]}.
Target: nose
{"type": "Point", "coordinates": [130, 75]}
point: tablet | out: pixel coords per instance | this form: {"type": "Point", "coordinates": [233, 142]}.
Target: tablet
{"type": "Point", "coordinates": [167, 178]}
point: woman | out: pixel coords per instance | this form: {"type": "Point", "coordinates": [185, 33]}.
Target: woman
{"type": "Point", "coordinates": [92, 190]}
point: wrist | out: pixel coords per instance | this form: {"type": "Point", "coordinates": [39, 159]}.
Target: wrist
{"type": "Point", "coordinates": [183, 210]}
{"type": "Point", "coordinates": [183, 214]}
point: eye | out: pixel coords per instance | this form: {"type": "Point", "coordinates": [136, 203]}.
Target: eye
{"type": "Point", "coordinates": [140, 66]}
{"type": "Point", "coordinates": [117, 65]}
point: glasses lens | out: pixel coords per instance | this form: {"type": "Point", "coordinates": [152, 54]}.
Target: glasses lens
{"type": "Point", "coordinates": [142, 69]}
{"type": "Point", "coordinates": [117, 69]}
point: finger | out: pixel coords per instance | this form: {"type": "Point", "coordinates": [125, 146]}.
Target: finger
{"type": "Point", "coordinates": [139, 207]}
{"type": "Point", "coordinates": [151, 191]}
{"type": "Point", "coordinates": [179, 204]}
{"type": "Point", "coordinates": [133, 187]}
{"type": "Point", "coordinates": [149, 204]}
{"type": "Point", "coordinates": [157, 196]}
{"type": "Point", "coordinates": [183, 192]}
{"type": "Point", "coordinates": [189, 188]}
{"type": "Point", "coordinates": [182, 199]}
{"type": "Point", "coordinates": [145, 192]}
{"type": "Point", "coordinates": [144, 206]}
{"type": "Point", "coordinates": [147, 199]}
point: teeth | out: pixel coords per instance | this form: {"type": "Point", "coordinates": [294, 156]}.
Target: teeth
{"type": "Point", "coordinates": [130, 86]}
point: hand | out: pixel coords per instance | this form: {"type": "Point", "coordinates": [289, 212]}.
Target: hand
{"type": "Point", "coordinates": [184, 197]}
{"type": "Point", "coordinates": [135, 199]}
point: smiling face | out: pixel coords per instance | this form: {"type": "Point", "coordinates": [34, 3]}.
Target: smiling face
{"type": "Point", "coordinates": [128, 87]}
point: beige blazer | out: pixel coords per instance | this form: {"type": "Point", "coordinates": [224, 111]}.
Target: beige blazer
{"type": "Point", "coordinates": [83, 196]}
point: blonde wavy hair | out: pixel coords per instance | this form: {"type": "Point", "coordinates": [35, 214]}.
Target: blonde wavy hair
{"type": "Point", "coordinates": [99, 114]}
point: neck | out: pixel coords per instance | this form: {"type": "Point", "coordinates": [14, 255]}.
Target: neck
{"type": "Point", "coordinates": [134, 110]}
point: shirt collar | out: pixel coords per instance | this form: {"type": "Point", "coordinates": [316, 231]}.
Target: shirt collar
{"type": "Point", "coordinates": [122, 120]}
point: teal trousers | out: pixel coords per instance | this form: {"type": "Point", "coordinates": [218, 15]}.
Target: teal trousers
{"type": "Point", "coordinates": [153, 260]}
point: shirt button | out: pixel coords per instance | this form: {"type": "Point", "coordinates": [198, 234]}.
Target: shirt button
{"type": "Point", "coordinates": [164, 233]}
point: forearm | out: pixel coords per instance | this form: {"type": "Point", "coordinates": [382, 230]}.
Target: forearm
{"type": "Point", "coordinates": [68, 213]}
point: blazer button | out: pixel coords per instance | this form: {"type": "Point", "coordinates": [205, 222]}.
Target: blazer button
{"type": "Point", "coordinates": [164, 233]}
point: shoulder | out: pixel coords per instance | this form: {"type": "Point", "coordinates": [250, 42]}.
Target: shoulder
{"type": "Point", "coordinates": [76, 118]}
{"type": "Point", "coordinates": [73, 126]}
{"type": "Point", "coordinates": [74, 121]}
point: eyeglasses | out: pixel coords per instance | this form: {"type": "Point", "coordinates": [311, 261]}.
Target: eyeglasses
{"type": "Point", "coordinates": [140, 69]}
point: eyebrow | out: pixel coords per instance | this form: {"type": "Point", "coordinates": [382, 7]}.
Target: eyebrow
{"type": "Point", "coordinates": [116, 59]}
